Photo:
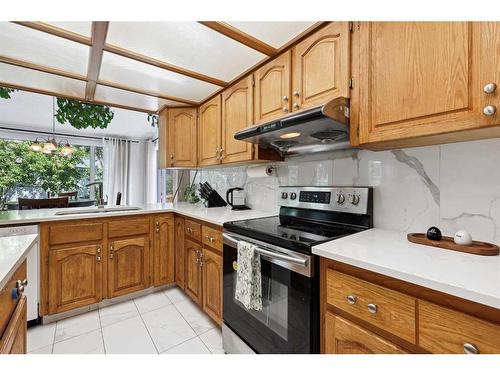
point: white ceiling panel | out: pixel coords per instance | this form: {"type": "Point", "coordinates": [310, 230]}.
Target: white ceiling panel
{"type": "Point", "coordinates": [273, 33]}
{"type": "Point", "coordinates": [186, 44]}
{"type": "Point", "coordinates": [147, 77]}
{"type": "Point", "coordinates": [131, 99]}
{"type": "Point", "coordinates": [79, 27]}
{"type": "Point", "coordinates": [42, 81]}
{"type": "Point", "coordinates": [23, 43]}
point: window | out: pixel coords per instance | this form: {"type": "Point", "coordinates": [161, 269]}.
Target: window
{"type": "Point", "coordinates": [35, 175]}
{"type": "Point", "coordinates": [165, 185]}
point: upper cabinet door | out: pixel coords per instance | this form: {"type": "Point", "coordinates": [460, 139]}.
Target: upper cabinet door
{"type": "Point", "coordinates": [210, 132]}
{"type": "Point", "coordinates": [423, 78]}
{"type": "Point", "coordinates": [237, 114]}
{"type": "Point", "coordinates": [182, 134]}
{"type": "Point", "coordinates": [272, 89]}
{"type": "Point", "coordinates": [321, 67]}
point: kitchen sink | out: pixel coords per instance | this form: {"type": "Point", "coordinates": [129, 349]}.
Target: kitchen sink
{"type": "Point", "coordinates": [97, 210]}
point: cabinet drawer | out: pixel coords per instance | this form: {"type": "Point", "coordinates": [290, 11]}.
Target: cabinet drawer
{"type": "Point", "coordinates": [345, 337]}
{"type": "Point", "coordinates": [128, 227]}
{"type": "Point", "coordinates": [212, 237]}
{"type": "Point", "coordinates": [7, 303]}
{"type": "Point", "coordinates": [192, 229]}
{"type": "Point", "coordinates": [75, 232]}
{"type": "Point", "coordinates": [13, 341]}
{"type": "Point", "coordinates": [442, 330]}
{"type": "Point", "coordinates": [391, 311]}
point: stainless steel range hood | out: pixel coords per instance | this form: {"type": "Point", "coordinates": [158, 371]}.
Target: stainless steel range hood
{"type": "Point", "coordinates": [320, 129]}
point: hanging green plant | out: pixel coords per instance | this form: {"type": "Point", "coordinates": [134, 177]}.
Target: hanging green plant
{"type": "Point", "coordinates": [153, 120]}
{"type": "Point", "coordinates": [5, 92]}
{"type": "Point", "coordinates": [81, 115]}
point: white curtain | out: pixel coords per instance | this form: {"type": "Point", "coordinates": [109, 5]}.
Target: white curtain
{"type": "Point", "coordinates": [151, 172]}
{"type": "Point", "coordinates": [116, 157]}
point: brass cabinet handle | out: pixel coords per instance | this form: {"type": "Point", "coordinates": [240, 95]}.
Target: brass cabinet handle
{"type": "Point", "coordinates": [98, 250]}
{"type": "Point", "coordinates": [98, 258]}
{"type": "Point", "coordinates": [470, 348]}
{"type": "Point", "coordinates": [285, 109]}
{"type": "Point", "coordinates": [172, 156]}
{"type": "Point", "coordinates": [296, 105]}
{"type": "Point", "coordinates": [285, 98]}
{"type": "Point", "coordinates": [111, 251]}
{"type": "Point", "coordinates": [296, 93]}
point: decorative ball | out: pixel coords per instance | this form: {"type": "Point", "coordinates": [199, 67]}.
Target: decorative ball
{"type": "Point", "coordinates": [434, 234]}
{"type": "Point", "coordinates": [462, 237]}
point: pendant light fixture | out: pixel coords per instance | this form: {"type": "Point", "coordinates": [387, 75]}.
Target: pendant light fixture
{"type": "Point", "coordinates": [50, 146]}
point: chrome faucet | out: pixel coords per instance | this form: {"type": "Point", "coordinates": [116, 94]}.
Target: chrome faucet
{"type": "Point", "coordinates": [99, 199]}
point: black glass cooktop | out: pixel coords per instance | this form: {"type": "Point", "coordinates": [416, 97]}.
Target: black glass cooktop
{"type": "Point", "coordinates": [290, 233]}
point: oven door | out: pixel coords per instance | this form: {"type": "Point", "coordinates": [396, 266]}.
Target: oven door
{"type": "Point", "coordinates": [289, 319]}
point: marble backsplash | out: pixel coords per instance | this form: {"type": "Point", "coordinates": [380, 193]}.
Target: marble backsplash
{"type": "Point", "coordinates": [453, 186]}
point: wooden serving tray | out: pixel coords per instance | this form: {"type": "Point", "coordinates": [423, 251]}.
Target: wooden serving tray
{"type": "Point", "coordinates": [477, 247]}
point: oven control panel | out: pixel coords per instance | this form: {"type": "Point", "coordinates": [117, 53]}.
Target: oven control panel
{"type": "Point", "coordinates": [351, 199]}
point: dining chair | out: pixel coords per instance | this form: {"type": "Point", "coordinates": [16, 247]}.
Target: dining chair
{"type": "Point", "coordinates": [34, 204]}
{"type": "Point", "coordinates": [73, 195]}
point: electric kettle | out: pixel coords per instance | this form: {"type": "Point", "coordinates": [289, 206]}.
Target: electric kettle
{"type": "Point", "coordinates": [235, 197]}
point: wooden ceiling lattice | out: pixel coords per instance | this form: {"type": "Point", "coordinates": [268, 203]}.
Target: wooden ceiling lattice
{"type": "Point", "coordinates": [168, 89]}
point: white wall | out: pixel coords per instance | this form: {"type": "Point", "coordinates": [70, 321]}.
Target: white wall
{"type": "Point", "coordinates": [454, 186]}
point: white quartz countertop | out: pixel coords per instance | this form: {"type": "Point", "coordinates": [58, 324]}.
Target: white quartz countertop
{"type": "Point", "coordinates": [472, 277]}
{"type": "Point", "coordinates": [13, 251]}
{"type": "Point", "coordinates": [216, 215]}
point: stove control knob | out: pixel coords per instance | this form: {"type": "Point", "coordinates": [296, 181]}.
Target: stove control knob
{"type": "Point", "coordinates": [293, 196]}
{"type": "Point", "coordinates": [284, 195]}
{"type": "Point", "coordinates": [340, 198]}
{"type": "Point", "coordinates": [354, 199]}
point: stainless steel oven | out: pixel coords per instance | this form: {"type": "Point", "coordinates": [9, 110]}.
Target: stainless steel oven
{"type": "Point", "coordinates": [289, 319]}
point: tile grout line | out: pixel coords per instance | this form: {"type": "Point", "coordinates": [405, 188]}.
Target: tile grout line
{"type": "Point", "coordinates": [102, 333]}
{"type": "Point", "coordinates": [147, 330]}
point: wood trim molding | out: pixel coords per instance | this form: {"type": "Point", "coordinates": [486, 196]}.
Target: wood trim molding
{"type": "Point", "coordinates": [163, 65]}
{"type": "Point", "coordinates": [40, 26]}
{"type": "Point", "coordinates": [63, 73]}
{"type": "Point", "coordinates": [240, 36]}
{"type": "Point", "coordinates": [52, 93]}
{"type": "Point", "coordinates": [53, 30]}
{"type": "Point", "coordinates": [41, 68]}
{"type": "Point", "coordinates": [99, 33]}
{"type": "Point", "coordinates": [307, 32]}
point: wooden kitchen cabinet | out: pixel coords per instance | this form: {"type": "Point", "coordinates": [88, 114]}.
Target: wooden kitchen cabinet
{"type": "Point", "coordinates": [237, 114]}
{"type": "Point", "coordinates": [345, 337]}
{"type": "Point", "coordinates": [193, 280]}
{"type": "Point", "coordinates": [128, 265]}
{"type": "Point", "coordinates": [210, 132]}
{"type": "Point", "coordinates": [321, 67]}
{"type": "Point", "coordinates": [272, 89]}
{"type": "Point", "coordinates": [13, 316]}
{"type": "Point", "coordinates": [182, 137]}
{"type": "Point", "coordinates": [418, 83]}
{"type": "Point", "coordinates": [14, 339]}
{"type": "Point", "coordinates": [212, 284]}
{"type": "Point", "coordinates": [179, 252]}
{"type": "Point", "coordinates": [164, 251]}
{"type": "Point", "coordinates": [75, 277]}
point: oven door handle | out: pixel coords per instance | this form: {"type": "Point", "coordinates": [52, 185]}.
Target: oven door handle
{"type": "Point", "coordinates": [269, 253]}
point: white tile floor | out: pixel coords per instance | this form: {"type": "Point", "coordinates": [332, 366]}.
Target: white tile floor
{"type": "Point", "coordinates": [165, 322]}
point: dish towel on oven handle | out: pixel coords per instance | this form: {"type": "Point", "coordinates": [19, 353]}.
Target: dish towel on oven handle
{"type": "Point", "coordinates": [248, 277]}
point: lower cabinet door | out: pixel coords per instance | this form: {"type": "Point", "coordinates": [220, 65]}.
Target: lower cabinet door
{"type": "Point", "coordinates": [179, 252]}
{"type": "Point", "coordinates": [75, 277]}
{"type": "Point", "coordinates": [13, 340]}
{"type": "Point", "coordinates": [164, 256]}
{"type": "Point", "coordinates": [345, 337]}
{"type": "Point", "coordinates": [212, 284]}
{"type": "Point", "coordinates": [192, 253]}
{"type": "Point", "coordinates": [129, 267]}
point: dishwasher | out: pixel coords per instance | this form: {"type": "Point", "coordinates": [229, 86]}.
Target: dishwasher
{"type": "Point", "coordinates": [32, 290]}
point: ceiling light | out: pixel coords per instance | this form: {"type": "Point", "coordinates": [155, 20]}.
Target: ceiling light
{"type": "Point", "coordinates": [67, 150]}
{"type": "Point", "coordinates": [49, 146]}
{"type": "Point", "coordinates": [36, 146]}
{"type": "Point", "coordinates": [290, 135]}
